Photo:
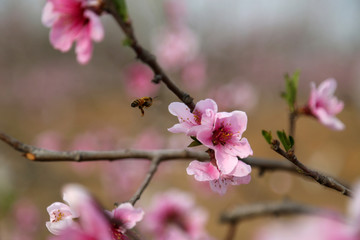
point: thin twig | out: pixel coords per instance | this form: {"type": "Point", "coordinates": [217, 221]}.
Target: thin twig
{"type": "Point", "coordinates": [145, 56]}
{"type": "Point", "coordinates": [292, 120]}
{"type": "Point", "coordinates": [317, 176]}
{"type": "Point", "coordinates": [246, 212]}
{"type": "Point", "coordinates": [231, 231]}
{"type": "Point", "coordinates": [153, 168]}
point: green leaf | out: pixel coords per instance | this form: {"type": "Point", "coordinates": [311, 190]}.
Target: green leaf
{"type": "Point", "coordinates": [292, 142]}
{"type": "Point", "coordinates": [284, 140]}
{"type": "Point", "coordinates": [194, 143]}
{"type": "Point", "coordinates": [122, 9]}
{"type": "Point", "coordinates": [291, 86]}
{"type": "Point", "coordinates": [267, 135]}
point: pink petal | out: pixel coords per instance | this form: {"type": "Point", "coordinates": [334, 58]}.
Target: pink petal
{"type": "Point", "coordinates": [203, 171]}
{"type": "Point", "coordinates": [219, 186]}
{"type": "Point", "coordinates": [328, 120]}
{"type": "Point", "coordinates": [128, 215]}
{"type": "Point", "coordinates": [240, 148]}
{"type": "Point", "coordinates": [241, 170]}
{"type": "Point", "coordinates": [203, 105]}
{"type": "Point", "coordinates": [241, 180]}
{"type": "Point", "coordinates": [182, 112]}
{"type": "Point", "coordinates": [84, 46]}
{"type": "Point", "coordinates": [327, 87]}
{"type": "Point", "coordinates": [225, 162]}
{"type": "Point", "coordinates": [63, 34]}
{"type": "Point", "coordinates": [48, 15]}
{"type": "Point", "coordinates": [95, 25]}
{"type": "Point", "coordinates": [204, 136]}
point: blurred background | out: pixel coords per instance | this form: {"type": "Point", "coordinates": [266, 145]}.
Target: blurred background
{"type": "Point", "coordinates": [235, 52]}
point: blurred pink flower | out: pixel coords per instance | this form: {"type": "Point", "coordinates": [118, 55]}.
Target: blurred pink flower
{"type": "Point", "coordinates": [224, 137]}
{"type": "Point", "coordinates": [194, 74]}
{"type": "Point", "coordinates": [190, 123]}
{"type": "Point", "coordinates": [324, 105]}
{"type": "Point", "coordinates": [175, 47]}
{"type": "Point", "coordinates": [174, 216]}
{"type": "Point", "coordinates": [138, 78]}
{"type": "Point", "coordinates": [175, 12]}
{"type": "Point", "coordinates": [127, 216]}
{"type": "Point", "coordinates": [26, 216]}
{"type": "Point", "coordinates": [73, 20]}
{"type": "Point", "coordinates": [206, 171]}
{"type": "Point", "coordinates": [49, 140]}
{"type": "Point", "coordinates": [319, 228]}
{"type": "Point", "coordinates": [235, 95]}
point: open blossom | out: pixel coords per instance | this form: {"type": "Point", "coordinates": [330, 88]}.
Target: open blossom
{"type": "Point", "coordinates": [174, 216]}
{"type": "Point", "coordinates": [61, 217]}
{"type": "Point", "coordinates": [73, 20]}
{"type": "Point", "coordinates": [190, 123]}
{"type": "Point", "coordinates": [206, 171]}
{"type": "Point", "coordinates": [93, 223]}
{"type": "Point", "coordinates": [324, 105]}
{"type": "Point", "coordinates": [319, 228]}
{"type": "Point", "coordinates": [224, 137]}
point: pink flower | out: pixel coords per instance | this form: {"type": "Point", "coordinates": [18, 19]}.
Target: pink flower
{"type": "Point", "coordinates": [174, 216]}
{"type": "Point", "coordinates": [324, 105]}
{"type": "Point", "coordinates": [73, 20]}
{"type": "Point", "coordinates": [93, 222]}
{"type": "Point", "coordinates": [175, 47]}
{"type": "Point", "coordinates": [127, 216]}
{"type": "Point", "coordinates": [61, 217]}
{"type": "Point", "coordinates": [138, 80]}
{"type": "Point", "coordinates": [190, 123]}
{"type": "Point", "coordinates": [206, 171]}
{"type": "Point", "coordinates": [224, 137]}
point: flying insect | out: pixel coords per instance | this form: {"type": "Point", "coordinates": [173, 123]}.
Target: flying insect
{"type": "Point", "coordinates": [141, 103]}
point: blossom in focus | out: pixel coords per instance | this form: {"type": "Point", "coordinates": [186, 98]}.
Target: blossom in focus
{"type": "Point", "coordinates": [138, 78]}
{"type": "Point", "coordinates": [73, 20]}
{"type": "Point", "coordinates": [224, 136]}
{"type": "Point", "coordinates": [203, 114]}
{"type": "Point", "coordinates": [61, 217]}
{"type": "Point", "coordinates": [206, 171]}
{"type": "Point", "coordinates": [324, 105]}
{"type": "Point", "coordinates": [174, 216]}
{"type": "Point", "coordinates": [319, 228]}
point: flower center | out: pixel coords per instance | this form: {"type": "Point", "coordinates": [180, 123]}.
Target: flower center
{"type": "Point", "coordinates": [57, 215]}
{"type": "Point", "coordinates": [197, 117]}
{"type": "Point", "coordinates": [221, 136]}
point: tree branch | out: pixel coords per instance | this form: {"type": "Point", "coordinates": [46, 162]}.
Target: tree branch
{"type": "Point", "coordinates": [153, 168]}
{"type": "Point", "coordinates": [42, 155]}
{"type": "Point", "coordinates": [317, 176]}
{"type": "Point", "coordinates": [145, 56]}
{"type": "Point", "coordinates": [246, 212]}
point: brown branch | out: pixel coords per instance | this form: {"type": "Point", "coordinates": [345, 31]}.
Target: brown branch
{"type": "Point", "coordinates": [153, 168]}
{"type": "Point", "coordinates": [317, 176]}
{"type": "Point", "coordinates": [42, 155]}
{"type": "Point", "coordinates": [231, 231]}
{"type": "Point", "coordinates": [246, 212]}
{"type": "Point", "coordinates": [145, 56]}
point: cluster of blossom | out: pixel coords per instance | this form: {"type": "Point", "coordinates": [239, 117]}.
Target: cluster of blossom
{"type": "Point", "coordinates": [222, 133]}
{"type": "Point", "coordinates": [173, 215]}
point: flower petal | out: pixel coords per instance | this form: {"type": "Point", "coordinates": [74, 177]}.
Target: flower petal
{"type": "Point", "coordinates": [225, 162]}
{"type": "Point", "coordinates": [203, 171]}
{"type": "Point", "coordinates": [219, 186]}
{"type": "Point", "coordinates": [95, 25]}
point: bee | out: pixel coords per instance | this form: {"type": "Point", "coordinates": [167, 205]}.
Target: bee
{"type": "Point", "coordinates": [142, 103]}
